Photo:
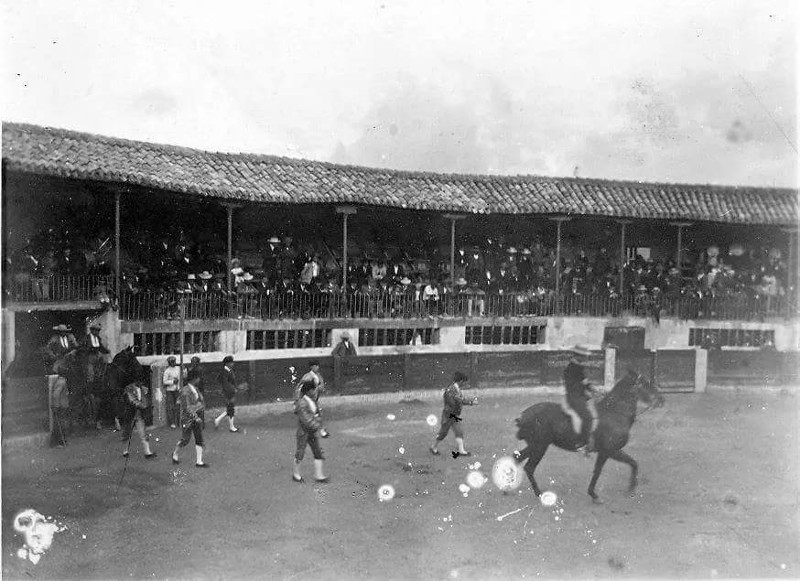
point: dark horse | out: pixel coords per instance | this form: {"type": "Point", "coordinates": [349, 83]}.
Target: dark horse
{"type": "Point", "coordinates": [107, 392]}
{"type": "Point", "coordinates": [546, 423]}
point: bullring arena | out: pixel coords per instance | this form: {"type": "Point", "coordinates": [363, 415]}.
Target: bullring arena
{"type": "Point", "coordinates": [177, 252]}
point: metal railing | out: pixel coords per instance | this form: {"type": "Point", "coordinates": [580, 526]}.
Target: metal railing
{"type": "Point", "coordinates": [388, 305]}
{"type": "Point", "coordinates": [48, 289]}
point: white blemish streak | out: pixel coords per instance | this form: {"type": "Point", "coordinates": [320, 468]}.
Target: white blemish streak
{"type": "Point", "coordinates": [501, 517]}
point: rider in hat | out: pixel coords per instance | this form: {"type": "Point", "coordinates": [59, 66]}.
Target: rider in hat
{"type": "Point", "coordinates": [59, 345]}
{"type": "Point", "coordinates": [578, 401]}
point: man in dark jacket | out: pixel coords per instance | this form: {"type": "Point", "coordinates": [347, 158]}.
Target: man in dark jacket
{"type": "Point", "coordinates": [227, 378]}
{"type": "Point", "coordinates": [345, 348]}
{"type": "Point", "coordinates": [578, 401]}
{"type": "Point", "coordinates": [308, 426]}
{"type": "Point", "coordinates": [59, 345]}
{"type": "Point", "coordinates": [95, 362]}
{"type": "Point", "coordinates": [454, 400]}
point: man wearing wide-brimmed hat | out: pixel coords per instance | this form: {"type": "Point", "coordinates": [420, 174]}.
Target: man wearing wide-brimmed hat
{"type": "Point", "coordinates": [345, 347]}
{"type": "Point", "coordinates": [578, 401]}
{"type": "Point", "coordinates": [59, 345]}
{"type": "Point", "coordinates": [95, 362]}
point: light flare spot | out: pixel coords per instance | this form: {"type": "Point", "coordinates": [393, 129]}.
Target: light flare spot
{"type": "Point", "coordinates": [463, 488]}
{"type": "Point", "coordinates": [476, 479]}
{"type": "Point", "coordinates": [386, 493]}
{"type": "Point", "coordinates": [391, 417]}
{"type": "Point", "coordinates": [402, 450]}
{"type": "Point", "coordinates": [548, 498]}
{"type": "Point", "coordinates": [506, 474]}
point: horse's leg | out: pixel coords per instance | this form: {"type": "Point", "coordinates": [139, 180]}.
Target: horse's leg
{"type": "Point", "coordinates": [621, 456]}
{"type": "Point", "coordinates": [598, 468]}
{"type": "Point", "coordinates": [534, 453]}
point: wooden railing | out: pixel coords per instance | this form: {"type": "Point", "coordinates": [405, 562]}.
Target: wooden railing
{"type": "Point", "coordinates": [48, 289]}
{"type": "Point", "coordinates": [301, 305]}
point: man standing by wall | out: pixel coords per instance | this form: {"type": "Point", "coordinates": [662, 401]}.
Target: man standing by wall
{"type": "Point", "coordinates": [171, 382]}
{"type": "Point", "coordinates": [345, 348]}
{"type": "Point", "coordinates": [95, 362]}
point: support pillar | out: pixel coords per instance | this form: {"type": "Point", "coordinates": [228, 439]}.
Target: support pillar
{"type": "Point", "coordinates": [117, 227]}
{"type": "Point", "coordinates": [558, 220]}
{"type": "Point", "coordinates": [679, 250]}
{"type": "Point", "coordinates": [230, 208]}
{"type": "Point", "coordinates": [9, 337]}
{"type": "Point", "coordinates": [700, 370]}
{"type": "Point", "coordinates": [453, 219]}
{"type": "Point", "coordinates": [345, 211]}
{"type": "Point", "coordinates": [610, 369]}
{"type": "Point", "coordinates": [622, 255]}
{"type": "Point", "coordinates": [791, 258]}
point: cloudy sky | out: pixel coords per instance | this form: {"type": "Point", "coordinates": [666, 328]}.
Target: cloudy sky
{"type": "Point", "coordinates": [678, 91]}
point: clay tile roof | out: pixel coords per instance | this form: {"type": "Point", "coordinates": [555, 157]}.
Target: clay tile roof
{"type": "Point", "coordinates": [262, 178]}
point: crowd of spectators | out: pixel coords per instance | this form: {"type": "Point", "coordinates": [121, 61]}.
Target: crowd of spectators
{"type": "Point", "coordinates": [279, 268]}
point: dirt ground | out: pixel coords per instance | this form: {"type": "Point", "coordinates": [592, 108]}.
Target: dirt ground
{"type": "Point", "coordinates": [718, 497]}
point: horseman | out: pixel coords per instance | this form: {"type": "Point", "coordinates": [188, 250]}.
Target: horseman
{"type": "Point", "coordinates": [93, 346]}
{"type": "Point", "coordinates": [578, 402]}
{"type": "Point", "coordinates": [61, 344]}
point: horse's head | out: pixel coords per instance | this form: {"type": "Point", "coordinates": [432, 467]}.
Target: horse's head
{"type": "Point", "coordinates": [128, 364]}
{"type": "Point", "coordinates": [646, 391]}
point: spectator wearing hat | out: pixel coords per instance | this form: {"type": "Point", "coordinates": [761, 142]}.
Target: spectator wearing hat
{"type": "Point", "coordinates": [192, 405]}
{"type": "Point", "coordinates": [227, 378]}
{"type": "Point", "coordinates": [578, 401]}
{"type": "Point", "coordinates": [95, 362]}
{"type": "Point", "coordinates": [171, 380]}
{"type": "Point", "coordinates": [309, 424]}
{"type": "Point", "coordinates": [59, 345]}
{"type": "Point", "coordinates": [454, 401]}
{"type": "Point", "coordinates": [345, 347]}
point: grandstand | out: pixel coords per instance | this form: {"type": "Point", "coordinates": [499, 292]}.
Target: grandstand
{"type": "Point", "coordinates": [271, 259]}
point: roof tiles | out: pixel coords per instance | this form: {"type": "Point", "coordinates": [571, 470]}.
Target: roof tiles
{"type": "Point", "coordinates": [261, 178]}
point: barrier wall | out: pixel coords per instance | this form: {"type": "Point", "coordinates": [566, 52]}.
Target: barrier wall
{"type": "Point", "coordinates": [26, 406]}
{"type": "Point", "coordinates": [757, 367]}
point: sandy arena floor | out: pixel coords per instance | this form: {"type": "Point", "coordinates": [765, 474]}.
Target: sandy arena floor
{"type": "Point", "coordinates": [718, 497]}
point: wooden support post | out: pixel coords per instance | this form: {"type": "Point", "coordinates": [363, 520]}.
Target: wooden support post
{"type": "Point", "coordinates": [346, 211]}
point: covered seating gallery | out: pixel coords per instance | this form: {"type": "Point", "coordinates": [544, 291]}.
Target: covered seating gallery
{"type": "Point", "coordinates": [149, 227]}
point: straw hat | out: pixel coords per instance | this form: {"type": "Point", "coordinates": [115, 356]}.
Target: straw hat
{"type": "Point", "coordinates": [581, 350]}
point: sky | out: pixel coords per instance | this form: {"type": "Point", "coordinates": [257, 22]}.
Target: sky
{"type": "Point", "coordinates": [677, 91]}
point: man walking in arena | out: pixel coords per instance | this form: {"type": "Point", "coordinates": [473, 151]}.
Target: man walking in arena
{"type": "Point", "coordinates": [227, 379]}
{"type": "Point", "coordinates": [454, 400]}
{"type": "Point", "coordinates": [308, 425]}
{"type": "Point", "coordinates": [313, 375]}
{"type": "Point", "coordinates": [192, 405]}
